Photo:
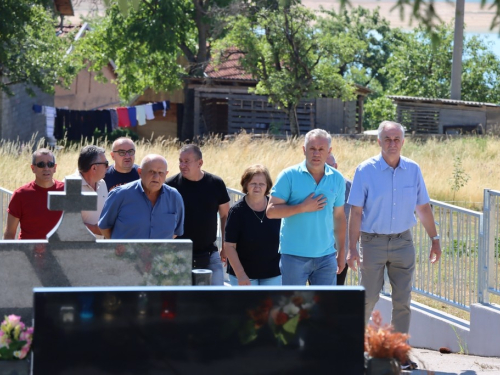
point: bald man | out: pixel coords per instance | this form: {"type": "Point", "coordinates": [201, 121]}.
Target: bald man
{"type": "Point", "coordinates": [146, 208]}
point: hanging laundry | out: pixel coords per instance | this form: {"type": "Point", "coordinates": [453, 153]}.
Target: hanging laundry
{"type": "Point", "coordinates": [59, 123]}
{"type": "Point", "coordinates": [164, 108]}
{"type": "Point", "coordinates": [37, 108]}
{"type": "Point", "coordinates": [157, 106]}
{"type": "Point", "coordinates": [114, 119]}
{"type": "Point", "coordinates": [141, 114]}
{"type": "Point", "coordinates": [123, 119]}
{"type": "Point", "coordinates": [149, 112]}
{"type": "Point", "coordinates": [132, 116]}
{"type": "Point", "coordinates": [50, 115]}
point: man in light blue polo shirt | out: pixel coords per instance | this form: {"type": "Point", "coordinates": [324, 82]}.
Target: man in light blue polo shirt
{"type": "Point", "coordinates": [385, 192]}
{"type": "Point", "coordinates": [146, 208]}
{"type": "Point", "coordinates": [309, 197]}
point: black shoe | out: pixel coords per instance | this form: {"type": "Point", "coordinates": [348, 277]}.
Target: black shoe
{"type": "Point", "coordinates": [409, 365]}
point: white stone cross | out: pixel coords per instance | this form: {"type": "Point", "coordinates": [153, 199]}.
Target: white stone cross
{"type": "Point", "coordinates": [72, 202]}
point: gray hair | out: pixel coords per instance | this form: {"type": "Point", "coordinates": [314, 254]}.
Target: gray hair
{"type": "Point", "coordinates": [42, 151]}
{"type": "Point", "coordinates": [194, 149]}
{"type": "Point", "coordinates": [88, 156]}
{"type": "Point", "coordinates": [384, 124]}
{"type": "Point", "coordinates": [315, 133]}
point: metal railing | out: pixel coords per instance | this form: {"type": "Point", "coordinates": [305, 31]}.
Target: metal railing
{"type": "Point", "coordinates": [489, 275]}
{"type": "Point", "coordinates": [4, 199]}
{"type": "Point", "coordinates": [454, 279]}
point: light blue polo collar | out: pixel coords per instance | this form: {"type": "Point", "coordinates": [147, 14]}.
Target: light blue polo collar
{"type": "Point", "coordinates": [303, 168]}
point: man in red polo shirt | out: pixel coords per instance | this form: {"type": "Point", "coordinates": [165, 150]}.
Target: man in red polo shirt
{"type": "Point", "coordinates": [28, 205]}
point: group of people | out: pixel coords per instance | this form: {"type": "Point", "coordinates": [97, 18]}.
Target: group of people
{"type": "Point", "coordinates": [291, 232]}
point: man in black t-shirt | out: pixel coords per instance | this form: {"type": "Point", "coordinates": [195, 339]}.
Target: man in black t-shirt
{"type": "Point", "coordinates": [124, 170]}
{"type": "Point", "coordinates": [204, 196]}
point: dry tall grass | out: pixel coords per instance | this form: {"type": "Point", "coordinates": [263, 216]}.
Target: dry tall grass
{"type": "Point", "coordinates": [480, 161]}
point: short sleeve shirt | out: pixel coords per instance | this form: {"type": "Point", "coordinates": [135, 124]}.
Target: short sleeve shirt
{"type": "Point", "coordinates": [309, 234]}
{"type": "Point", "coordinates": [388, 195]}
{"type": "Point", "coordinates": [131, 215]}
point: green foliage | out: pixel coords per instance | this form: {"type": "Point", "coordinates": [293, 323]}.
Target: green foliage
{"type": "Point", "coordinates": [419, 68]}
{"type": "Point", "coordinates": [287, 54]}
{"type": "Point", "coordinates": [376, 110]}
{"type": "Point", "coordinates": [459, 177]}
{"type": "Point", "coordinates": [30, 51]}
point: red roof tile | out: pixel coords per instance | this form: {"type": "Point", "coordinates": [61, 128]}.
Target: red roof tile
{"type": "Point", "coordinates": [229, 68]}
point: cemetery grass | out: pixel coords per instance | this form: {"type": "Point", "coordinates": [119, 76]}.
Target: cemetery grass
{"type": "Point", "coordinates": [478, 160]}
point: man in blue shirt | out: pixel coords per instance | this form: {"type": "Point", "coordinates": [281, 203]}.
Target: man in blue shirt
{"type": "Point", "coordinates": [146, 208]}
{"type": "Point", "coordinates": [309, 197]}
{"type": "Point", "coordinates": [385, 192]}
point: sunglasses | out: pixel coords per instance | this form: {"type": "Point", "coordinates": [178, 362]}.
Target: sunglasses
{"type": "Point", "coordinates": [106, 163]}
{"type": "Point", "coordinates": [41, 164]}
{"type": "Point", "coordinates": [123, 152]}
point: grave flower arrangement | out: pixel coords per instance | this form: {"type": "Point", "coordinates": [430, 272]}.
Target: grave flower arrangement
{"type": "Point", "coordinates": [15, 338]}
{"type": "Point", "coordinates": [383, 344]}
{"type": "Point", "coordinates": [282, 316]}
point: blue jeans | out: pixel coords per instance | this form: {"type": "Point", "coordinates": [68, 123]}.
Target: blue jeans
{"type": "Point", "coordinates": [215, 265]}
{"type": "Point", "coordinates": [270, 281]}
{"type": "Point", "coordinates": [318, 271]}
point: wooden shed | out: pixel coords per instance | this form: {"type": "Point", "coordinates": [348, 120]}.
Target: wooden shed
{"type": "Point", "coordinates": [224, 105]}
{"type": "Point", "coordinates": [446, 116]}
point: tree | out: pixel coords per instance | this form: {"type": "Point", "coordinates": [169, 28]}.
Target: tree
{"type": "Point", "coordinates": [30, 51]}
{"type": "Point", "coordinates": [417, 67]}
{"type": "Point", "coordinates": [287, 54]}
{"type": "Point", "coordinates": [156, 44]}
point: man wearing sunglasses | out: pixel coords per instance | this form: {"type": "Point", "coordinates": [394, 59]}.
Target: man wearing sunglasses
{"type": "Point", "coordinates": [92, 166]}
{"type": "Point", "coordinates": [124, 170]}
{"type": "Point", "coordinates": [28, 205]}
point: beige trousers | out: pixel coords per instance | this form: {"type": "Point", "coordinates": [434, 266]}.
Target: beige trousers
{"type": "Point", "coordinates": [397, 253]}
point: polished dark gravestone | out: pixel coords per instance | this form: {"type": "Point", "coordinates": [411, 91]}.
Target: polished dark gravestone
{"type": "Point", "coordinates": [281, 330]}
{"type": "Point", "coordinates": [71, 256]}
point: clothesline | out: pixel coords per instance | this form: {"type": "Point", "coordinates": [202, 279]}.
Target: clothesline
{"type": "Point", "coordinates": [78, 123]}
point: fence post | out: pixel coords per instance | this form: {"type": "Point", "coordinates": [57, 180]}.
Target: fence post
{"type": "Point", "coordinates": [484, 250]}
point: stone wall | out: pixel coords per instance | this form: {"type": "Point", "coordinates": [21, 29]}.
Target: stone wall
{"type": "Point", "coordinates": [17, 119]}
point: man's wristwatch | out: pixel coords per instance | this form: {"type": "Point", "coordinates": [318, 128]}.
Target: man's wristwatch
{"type": "Point", "coordinates": [436, 237]}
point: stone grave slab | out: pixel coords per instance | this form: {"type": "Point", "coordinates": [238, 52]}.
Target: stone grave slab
{"type": "Point", "coordinates": [71, 256]}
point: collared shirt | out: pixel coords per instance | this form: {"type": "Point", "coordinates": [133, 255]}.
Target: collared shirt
{"type": "Point", "coordinates": [388, 195]}
{"type": "Point", "coordinates": [308, 234]}
{"type": "Point", "coordinates": [130, 214]}
{"type": "Point", "coordinates": [92, 217]}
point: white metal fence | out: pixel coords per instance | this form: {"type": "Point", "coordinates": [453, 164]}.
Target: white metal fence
{"type": "Point", "coordinates": [469, 269]}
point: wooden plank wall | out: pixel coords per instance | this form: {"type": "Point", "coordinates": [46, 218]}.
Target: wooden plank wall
{"type": "Point", "coordinates": [418, 119]}
{"type": "Point", "coordinates": [350, 118]}
{"type": "Point", "coordinates": [330, 115]}
{"type": "Point", "coordinates": [253, 113]}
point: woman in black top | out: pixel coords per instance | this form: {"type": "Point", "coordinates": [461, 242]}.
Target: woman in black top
{"type": "Point", "coordinates": [252, 239]}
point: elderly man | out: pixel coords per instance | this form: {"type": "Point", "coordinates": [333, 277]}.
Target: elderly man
{"type": "Point", "coordinates": [92, 166]}
{"type": "Point", "coordinates": [124, 170]}
{"type": "Point", "coordinates": [332, 162]}
{"type": "Point", "coordinates": [28, 205]}
{"type": "Point", "coordinates": [309, 197]}
{"type": "Point", "coordinates": [385, 192]}
{"type": "Point", "coordinates": [146, 208]}
{"type": "Point", "coordinates": [204, 196]}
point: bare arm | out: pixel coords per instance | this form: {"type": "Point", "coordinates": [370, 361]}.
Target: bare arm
{"type": "Point", "coordinates": [354, 230]}
{"type": "Point", "coordinates": [234, 259]}
{"type": "Point", "coordinates": [93, 228]}
{"type": "Point", "coordinates": [340, 229]}
{"type": "Point", "coordinates": [106, 233]}
{"type": "Point", "coordinates": [426, 217]}
{"type": "Point", "coordinates": [279, 209]}
{"type": "Point", "coordinates": [223, 211]}
{"type": "Point", "coordinates": [11, 228]}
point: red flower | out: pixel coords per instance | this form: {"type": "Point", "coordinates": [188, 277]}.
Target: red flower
{"type": "Point", "coordinates": [281, 318]}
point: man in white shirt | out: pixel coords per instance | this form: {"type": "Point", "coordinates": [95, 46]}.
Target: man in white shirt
{"type": "Point", "coordinates": [92, 166]}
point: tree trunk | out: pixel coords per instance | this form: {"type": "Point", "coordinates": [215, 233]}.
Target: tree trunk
{"type": "Point", "coordinates": [188, 118]}
{"type": "Point", "coordinates": [294, 122]}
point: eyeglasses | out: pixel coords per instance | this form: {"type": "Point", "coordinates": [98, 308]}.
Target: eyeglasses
{"type": "Point", "coordinates": [123, 152]}
{"type": "Point", "coordinates": [106, 163]}
{"type": "Point", "coordinates": [41, 164]}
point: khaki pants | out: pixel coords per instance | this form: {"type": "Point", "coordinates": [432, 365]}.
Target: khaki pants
{"type": "Point", "coordinates": [397, 253]}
